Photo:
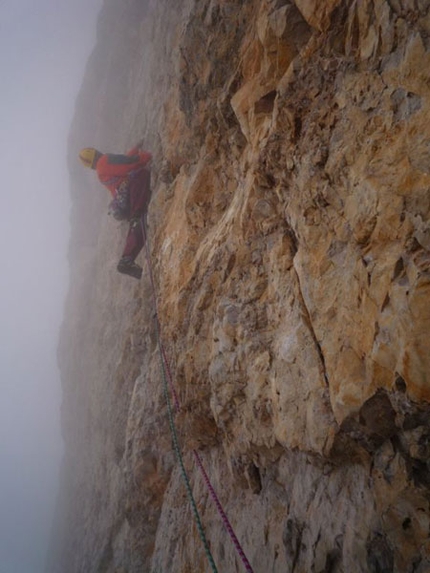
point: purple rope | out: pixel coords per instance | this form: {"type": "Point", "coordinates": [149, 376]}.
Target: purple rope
{"type": "Point", "coordinates": [197, 458]}
{"type": "Point", "coordinates": [224, 517]}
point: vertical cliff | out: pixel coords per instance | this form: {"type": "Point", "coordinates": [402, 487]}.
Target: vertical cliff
{"type": "Point", "coordinates": [290, 242]}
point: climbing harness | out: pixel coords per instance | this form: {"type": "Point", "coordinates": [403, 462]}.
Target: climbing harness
{"type": "Point", "coordinates": [119, 207]}
{"type": "Point", "coordinates": [168, 381]}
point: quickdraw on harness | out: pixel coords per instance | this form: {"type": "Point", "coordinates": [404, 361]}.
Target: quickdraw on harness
{"type": "Point", "coordinates": [119, 207]}
{"type": "Point", "coordinates": [168, 380]}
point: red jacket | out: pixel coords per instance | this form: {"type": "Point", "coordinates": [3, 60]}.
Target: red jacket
{"type": "Point", "coordinates": [113, 170]}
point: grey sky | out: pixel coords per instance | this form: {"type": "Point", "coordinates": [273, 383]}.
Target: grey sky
{"type": "Point", "coordinates": [44, 45]}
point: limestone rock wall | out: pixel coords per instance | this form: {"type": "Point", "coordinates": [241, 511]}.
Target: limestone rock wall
{"type": "Point", "coordinates": [290, 241]}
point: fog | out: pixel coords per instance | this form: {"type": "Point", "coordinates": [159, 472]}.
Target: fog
{"type": "Point", "coordinates": [44, 45]}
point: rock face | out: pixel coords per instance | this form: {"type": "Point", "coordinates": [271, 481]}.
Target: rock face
{"type": "Point", "coordinates": [290, 242]}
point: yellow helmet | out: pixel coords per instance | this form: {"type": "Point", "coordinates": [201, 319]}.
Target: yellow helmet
{"type": "Point", "coordinates": [89, 157]}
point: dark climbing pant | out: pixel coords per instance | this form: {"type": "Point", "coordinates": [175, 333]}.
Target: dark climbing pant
{"type": "Point", "coordinates": [140, 194]}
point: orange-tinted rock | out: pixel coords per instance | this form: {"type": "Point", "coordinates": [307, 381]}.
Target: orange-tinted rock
{"type": "Point", "coordinates": [290, 240]}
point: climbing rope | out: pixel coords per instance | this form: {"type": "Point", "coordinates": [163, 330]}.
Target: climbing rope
{"type": "Point", "coordinates": [180, 459]}
{"type": "Point", "coordinates": [168, 379]}
{"type": "Point", "coordinates": [165, 370]}
{"type": "Point", "coordinates": [224, 517]}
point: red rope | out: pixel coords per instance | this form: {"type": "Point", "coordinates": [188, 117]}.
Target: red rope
{"type": "Point", "coordinates": [197, 458]}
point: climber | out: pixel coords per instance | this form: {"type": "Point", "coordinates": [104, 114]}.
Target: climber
{"type": "Point", "coordinates": [128, 180]}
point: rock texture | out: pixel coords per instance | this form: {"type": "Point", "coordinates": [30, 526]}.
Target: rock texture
{"type": "Point", "coordinates": [290, 242]}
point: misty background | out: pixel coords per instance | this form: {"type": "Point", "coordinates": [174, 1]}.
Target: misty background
{"type": "Point", "coordinates": [44, 46]}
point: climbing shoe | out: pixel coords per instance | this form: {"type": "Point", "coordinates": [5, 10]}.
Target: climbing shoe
{"type": "Point", "coordinates": [127, 266]}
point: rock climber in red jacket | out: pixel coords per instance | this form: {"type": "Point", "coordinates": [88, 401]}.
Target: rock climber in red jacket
{"type": "Point", "coordinates": [128, 180]}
